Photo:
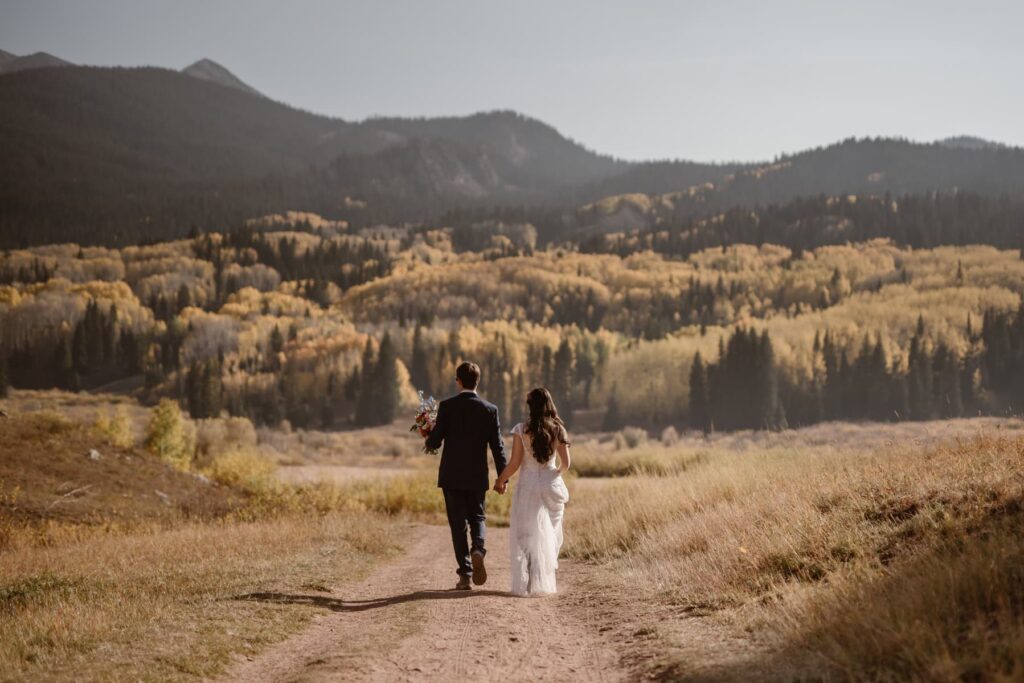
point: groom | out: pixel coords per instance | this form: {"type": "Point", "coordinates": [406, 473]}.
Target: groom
{"type": "Point", "coordinates": [467, 425]}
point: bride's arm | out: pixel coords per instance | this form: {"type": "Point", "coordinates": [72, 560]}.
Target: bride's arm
{"type": "Point", "coordinates": [564, 458]}
{"type": "Point", "coordinates": [513, 464]}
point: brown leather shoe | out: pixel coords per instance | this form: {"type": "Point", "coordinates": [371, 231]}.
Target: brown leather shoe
{"type": "Point", "coordinates": [479, 570]}
{"type": "Point", "coordinates": [463, 584]}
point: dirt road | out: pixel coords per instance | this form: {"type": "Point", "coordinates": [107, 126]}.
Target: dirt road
{"type": "Point", "coordinates": [404, 623]}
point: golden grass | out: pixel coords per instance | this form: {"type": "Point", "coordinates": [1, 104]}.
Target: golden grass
{"type": "Point", "coordinates": [858, 551]}
{"type": "Point", "coordinates": [244, 470]}
{"type": "Point", "coordinates": [409, 497]}
{"type": "Point", "coordinates": [645, 459]}
{"type": "Point", "coordinates": [159, 605]}
{"type": "Point", "coordinates": [918, 547]}
{"type": "Point", "coordinates": [951, 612]}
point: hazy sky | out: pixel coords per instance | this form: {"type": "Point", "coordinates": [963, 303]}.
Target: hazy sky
{"type": "Point", "coordinates": [708, 80]}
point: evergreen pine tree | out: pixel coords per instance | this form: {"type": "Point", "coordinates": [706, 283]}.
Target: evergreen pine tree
{"type": "Point", "coordinates": [948, 392]}
{"type": "Point", "coordinates": [80, 347]}
{"type": "Point", "coordinates": [193, 391]}
{"type": "Point", "coordinates": [212, 388]}
{"type": "Point", "coordinates": [366, 403]}
{"type": "Point", "coordinates": [770, 414]}
{"type": "Point", "coordinates": [700, 400]}
{"type": "Point", "coordinates": [419, 373]}
{"type": "Point", "coordinates": [276, 340]}
{"type": "Point", "coordinates": [64, 363]}
{"type": "Point", "coordinates": [184, 299]}
{"type": "Point", "coordinates": [385, 383]}
{"type": "Point", "coordinates": [919, 377]}
{"type": "Point", "coordinates": [442, 372]}
{"type": "Point", "coordinates": [519, 398]}
{"type": "Point", "coordinates": [586, 369]}
{"type": "Point", "coordinates": [833, 394]}
{"type": "Point", "coordinates": [110, 335]}
{"type": "Point", "coordinates": [561, 380]}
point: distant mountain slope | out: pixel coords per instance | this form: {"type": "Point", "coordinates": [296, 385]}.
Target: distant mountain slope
{"type": "Point", "coordinates": [660, 177]}
{"type": "Point", "coordinates": [858, 167]}
{"type": "Point", "coordinates": [115, 155]}
{"type": "Point", "coordinates": [6, 57]}
{"type": "Point", "coordinates": [39, 60]}
{"type": "Point", "coordinates": [533, 147]}
{"type": "Point", "coordinates": [209, 70]}
{"type": "Point", "coordinates": [924, 220]}
{"type": "Point", "coordinates": [877, 165]}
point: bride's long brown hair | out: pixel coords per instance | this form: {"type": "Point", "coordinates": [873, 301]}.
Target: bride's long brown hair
{"type": "Point", "coordinates": [544, 425]}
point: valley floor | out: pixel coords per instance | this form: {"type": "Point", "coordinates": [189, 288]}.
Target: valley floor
{"type": "Point", "coordinates": [746, 556]}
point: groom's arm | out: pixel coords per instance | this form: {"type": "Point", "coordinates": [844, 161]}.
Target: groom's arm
{"type": "Point", "coordinates": [497, 444]}
{"type": "Point", "coordinates": [437, 434]}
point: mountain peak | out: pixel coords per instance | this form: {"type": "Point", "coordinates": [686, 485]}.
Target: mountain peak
{"type": "Point", "coordinates": [39, 60]}
{"type": "Point", "coordinates": [209, 70]}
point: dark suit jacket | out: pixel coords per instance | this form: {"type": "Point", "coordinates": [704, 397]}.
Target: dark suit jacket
{"type": "Point", "coordinates": [467, 424]}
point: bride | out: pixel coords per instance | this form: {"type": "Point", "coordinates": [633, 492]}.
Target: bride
{"type": "Point", "coordinates": [540, 495]}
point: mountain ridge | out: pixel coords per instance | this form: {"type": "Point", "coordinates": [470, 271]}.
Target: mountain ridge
{"type": "Point", "coordinates": [115, 155]}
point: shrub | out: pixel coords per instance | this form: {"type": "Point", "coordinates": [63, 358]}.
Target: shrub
{"type": "Point", "coordinates": [168, 437]}
{"type": "Point", "coordinates": [116, 430]}
{"type": "Point", "coordinates": [221, 435]}
{"type": "Point", "coordinates": [630, 437]}
{"type": "Point", "coordinates": [46, 425]}
{"type": "Point", "coordinates": [244, 470]}
{"type": "Point", "coordinates": [669, 436]}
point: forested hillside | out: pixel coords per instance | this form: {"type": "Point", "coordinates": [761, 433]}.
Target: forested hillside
{"type": "Point", "coordinates": [116, 156]}
{"type": "Point", "coordinates": [926, 220]}
{"type": "Point", "coordinates": [300, 319]}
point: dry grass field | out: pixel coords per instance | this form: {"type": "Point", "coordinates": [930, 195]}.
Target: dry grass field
{"type": "Point", "coordinates": [899, 561]}
{"type": "Point", "coordinates": [124, 568]}
{"type": "Point", "coordinates": [121, 566]}
{"type": "Point", "coordinates": [839, 552]}
{"type": "Point", "coordinates": [158, 604]}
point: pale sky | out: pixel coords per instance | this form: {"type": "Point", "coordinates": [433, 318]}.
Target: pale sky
{"type": "Point", "coordinates": [708, 80]}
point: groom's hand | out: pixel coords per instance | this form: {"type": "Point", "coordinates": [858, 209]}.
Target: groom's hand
{"type": "Point", "coordinates": [500, 486]}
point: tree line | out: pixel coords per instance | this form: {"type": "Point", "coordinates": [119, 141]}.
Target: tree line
{"type": "Point", "coordinates": [743, 389]}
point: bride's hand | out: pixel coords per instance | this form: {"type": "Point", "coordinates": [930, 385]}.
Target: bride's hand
{"type": "Point", "coordinates": [499, 486]}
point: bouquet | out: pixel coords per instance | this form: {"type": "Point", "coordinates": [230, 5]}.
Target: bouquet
{"type": "Point", "coordinates": [426, 418]}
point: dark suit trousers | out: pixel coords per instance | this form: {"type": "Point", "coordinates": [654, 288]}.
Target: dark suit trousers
{"type": "Point", "coordinates": [465, 509]}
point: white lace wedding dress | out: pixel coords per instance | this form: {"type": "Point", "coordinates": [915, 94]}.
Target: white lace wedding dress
{"type": "Point", "coordinates": [536, 526]}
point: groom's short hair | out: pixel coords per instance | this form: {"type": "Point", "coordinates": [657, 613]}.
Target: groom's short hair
{"type": "Point", "coordinates": [469, 374]}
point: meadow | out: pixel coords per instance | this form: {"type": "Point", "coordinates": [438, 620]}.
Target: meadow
{"type": "Point", "coordinates": [767, 552]}
{"type": "Point", "coordinates": [805, 549]}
